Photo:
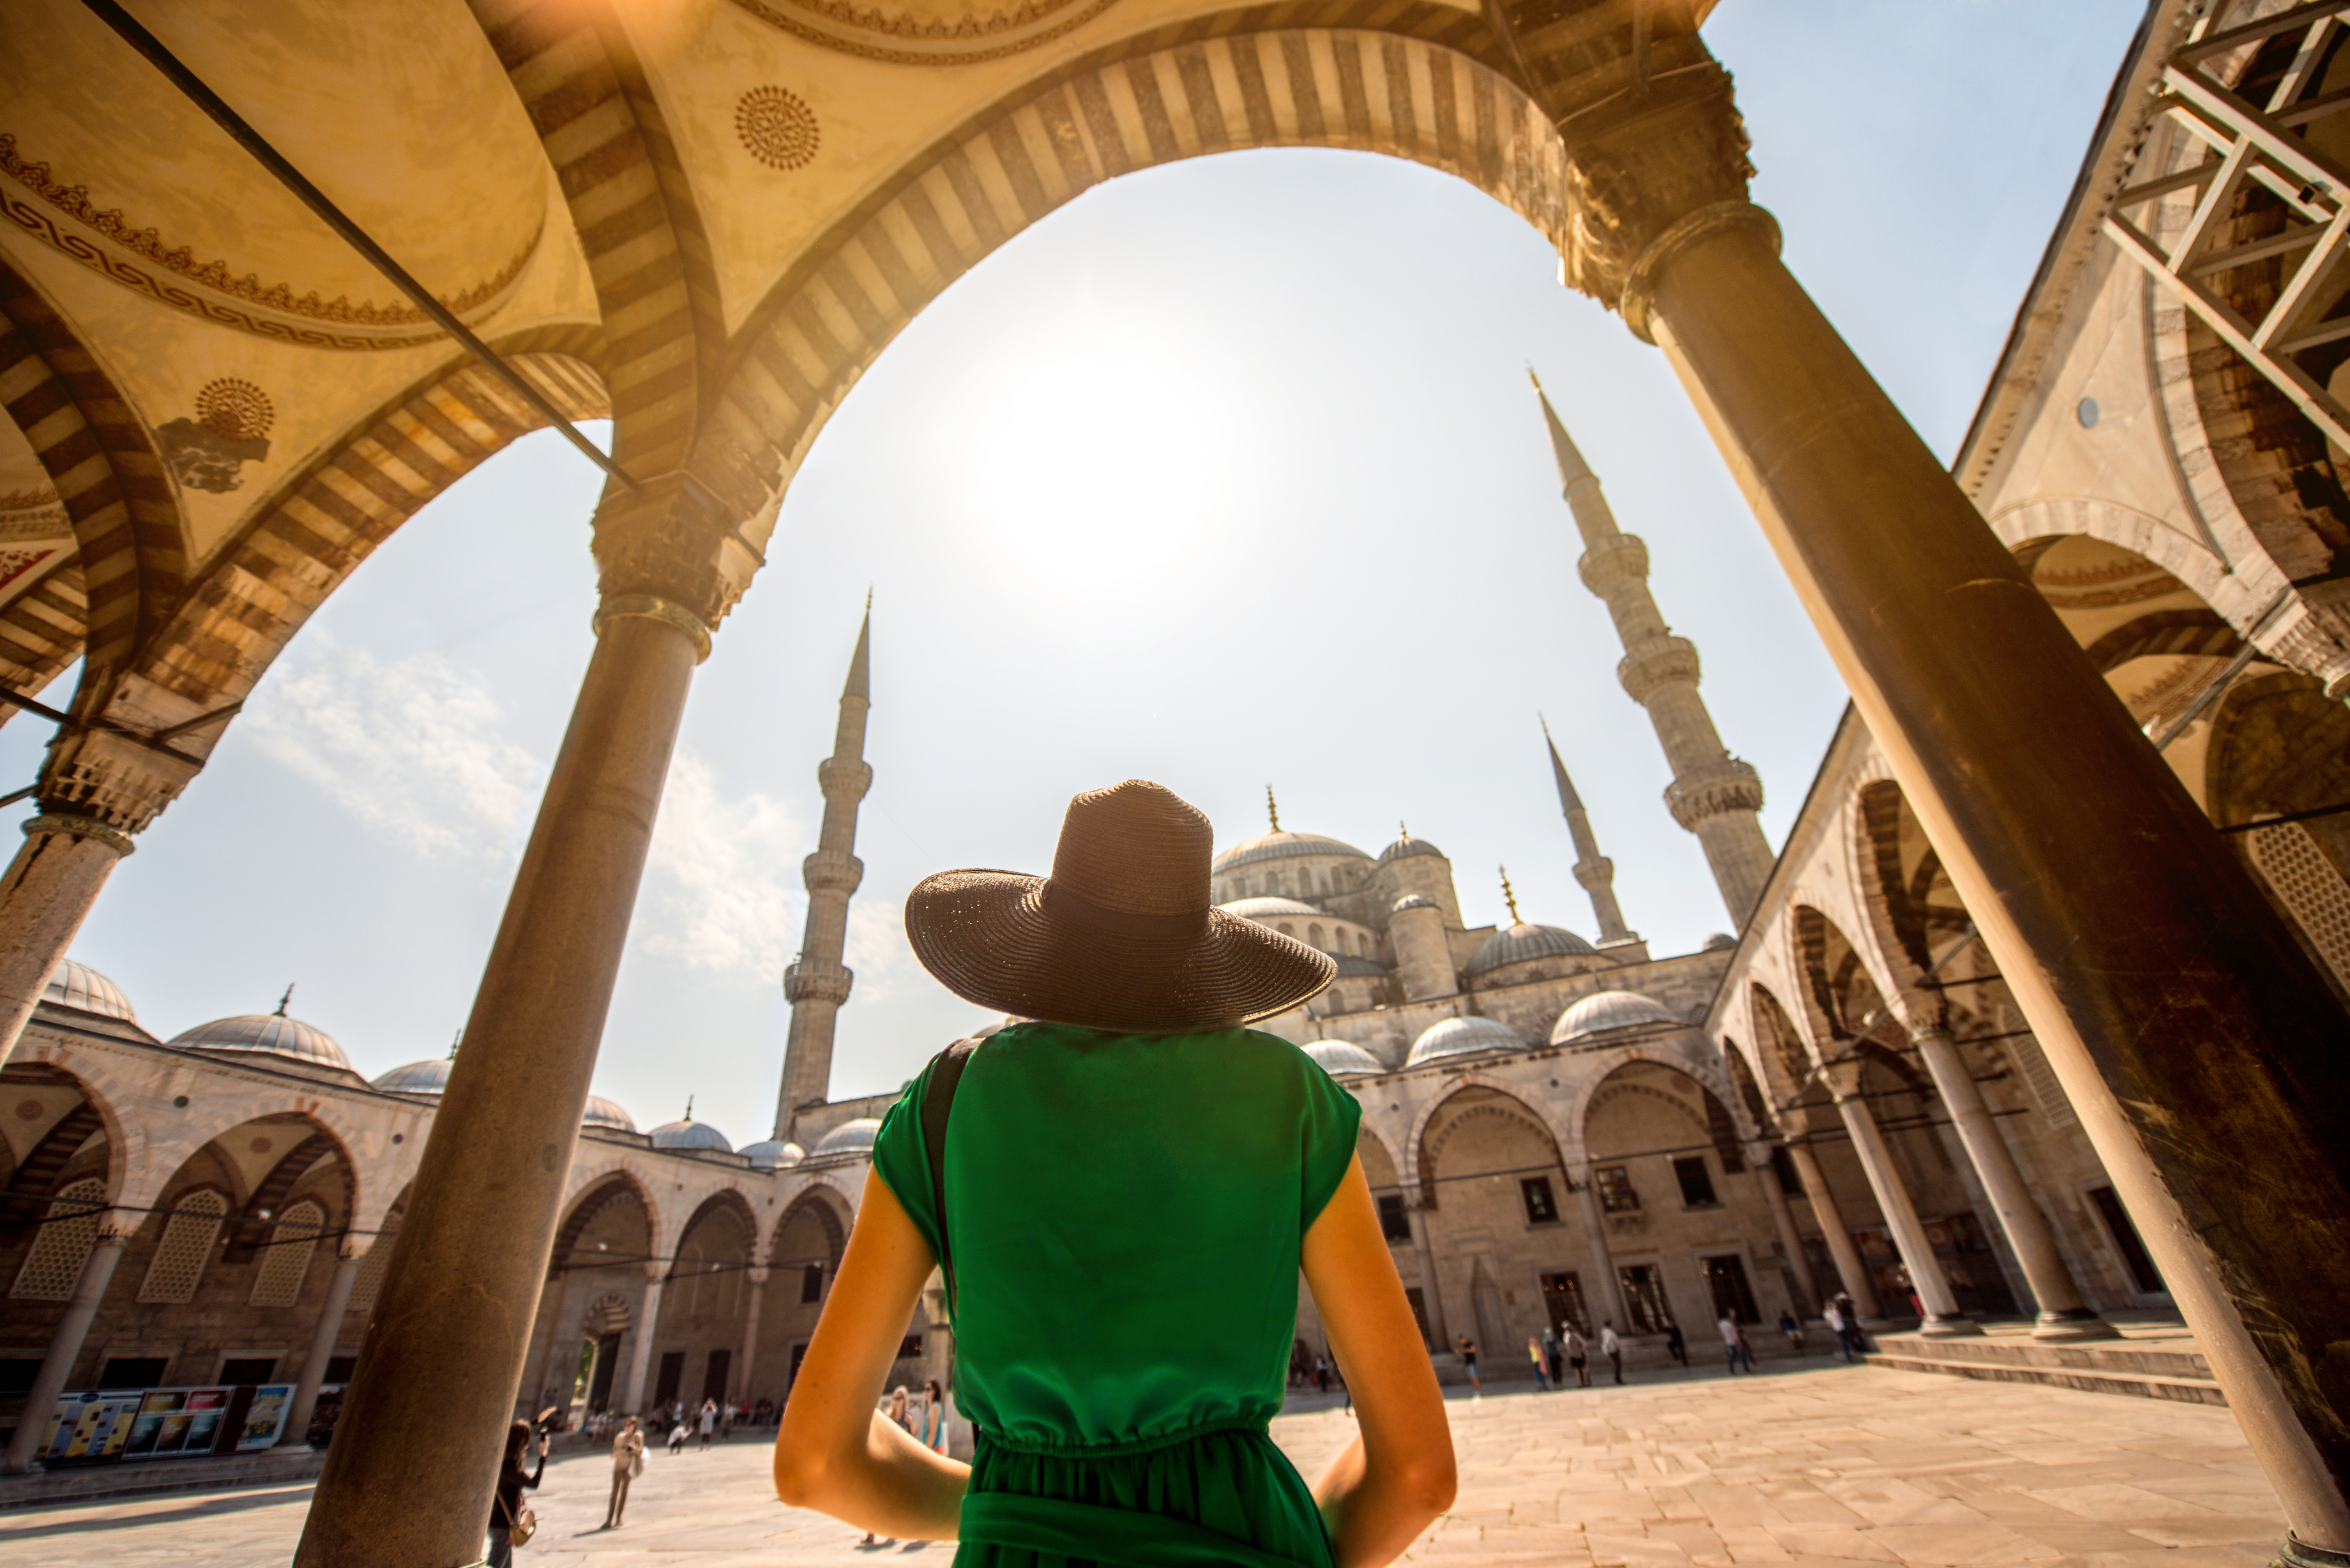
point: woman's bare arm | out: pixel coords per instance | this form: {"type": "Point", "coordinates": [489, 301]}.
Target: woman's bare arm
{"type": "Point", "coordinates": [835, 1452]}
{"type": "Point", "coordinates": [1396, 1476]}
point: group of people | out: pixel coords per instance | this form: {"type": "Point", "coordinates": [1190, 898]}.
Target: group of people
{"type": "Point", "coordinates": [926, 1423]}
{"type": "Point", "coordinates": [1555, 1353]}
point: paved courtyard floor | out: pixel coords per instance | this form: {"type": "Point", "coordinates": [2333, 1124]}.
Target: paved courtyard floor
{"type": "Point", "coordinates": [1815, 1465]}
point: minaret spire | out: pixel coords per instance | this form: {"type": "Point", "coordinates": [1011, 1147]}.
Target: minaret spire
{"type": "Point", "coordinates": [1593, 869]}
{"type": "Point", "coordinates": [818, 982]}
{"type": "Point", "coordinates": [1714, 795]}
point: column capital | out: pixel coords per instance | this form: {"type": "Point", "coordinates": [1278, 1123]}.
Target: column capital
{"type": "Point", "coordinates": [657, 1271]}
{"type": "Point", "coordinates": [672, 539]}
{"type": "Point", "coordinates": [1842, 1079]}
{"type": "Point", "coordinates": [653, 607]}
{"type": "Point", "coordinates": [758, 1273]}
{"type": "Point", "coordinates": [110, 778]}
{"type": "Point", "coordinates": [79, 827]}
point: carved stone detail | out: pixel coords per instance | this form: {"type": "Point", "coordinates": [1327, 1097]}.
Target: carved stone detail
{"type": "Point", "coordinates": [1610, 565]}
{"type": "Point", "coordinates": [813, 980]}
{"type": "Point", "coordinates": [1657, 662]}
{"type": "Point", "coordinates": [844, 779]}
{"type": "Point", "coordinates": [108, 776]}
{"type": "Point", "coordinates": [1595, 873]}
{"type": "Point", "coordinates": [828, 870]}
{"type": "Point", "coordinates": [1727, 786]}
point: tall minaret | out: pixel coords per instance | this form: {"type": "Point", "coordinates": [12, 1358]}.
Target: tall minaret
{"type": "Point", "coordinates": [818, 984]}
{"type": "Point", "coordinates": [1714, 795]}
{"type": "Point", "coordinates": [1593, 869]}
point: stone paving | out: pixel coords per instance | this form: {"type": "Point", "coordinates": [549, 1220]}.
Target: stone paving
{"type": "Point", "coordinates": [1809, 1464]}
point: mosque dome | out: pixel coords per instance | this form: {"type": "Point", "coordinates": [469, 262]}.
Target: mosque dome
{"type": "Point", "coordinates": [692, 1136]}
{"type": "Point", "coordinates": [1719, 942]}
{"type": "Point", "coordinates": [268, 1034]}
{"type": "Point", "coordinates": [1280, 847]}
{"type": "Point", "coordinates": [82, 988]}
{"type": "Point", "coordinates": [774, 1154]}
{"type": "Point", "coordinates": [1604, 1011]}
{"type": "Point", "coordinates": [1410, 901]}
{"type": "Point", "coordinates": [1355, 964]}
{"type": "Point", "coordinates": [1264, 908]}
{"type": "Point", "coordinates": [1407, 845]}
{"type": "Point", "coordinates": [1463, 1037]}
{"type": "Point", "coordinates": [1341, 1057]}
{"type": "Point", "coordinates": [1521, 942]}
{"type": "Point", "coordinates": [426, 1078]}
{"type": "Point", "coordinates": [848, 1137]}
{"type": "Point", "coordinates": [604, 1112]}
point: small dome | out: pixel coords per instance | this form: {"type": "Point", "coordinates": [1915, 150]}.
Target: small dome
{"type": "Point", "coordinates": [1409, 901]}
{"type": "Point", "coordinates": [848, 1137]}
{"type": "Point", "coordinates": [1353, 964]}
{"type": "Point", "coordinates": [267, 1034]}
{"type": "Point", "coordinates": [1405, 846]}
{"type": "Point", "coordinates": [1259, 908]}
{"type": "Point", "coordinates": [1604, 1011]}
{"type": "Point", "coordinates": [1521, 942]}
{"type": "Point", "coordinates": [690, 1135]}
{"type": "Point", "coordinates": [1461, 1037]}
{"type": "Point", "coordinates": [1280, 847]}
{"type": "Point", "coordinates": [78, 986]}
{"type": "Point", "coordinates": [428, 1077]}
{"type": "Point", "coordinates": [1719, 942]}
{"type": "Point", "coordinates": [773, 1155]}
{"type": "Point", "coordinates": [604, 1112]}
{"type": "Point", "coordinates": [1340, 1058]}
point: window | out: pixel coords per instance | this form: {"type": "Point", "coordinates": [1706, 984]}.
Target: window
{"type": "Point", "coordinates": [1617, 1195]}
{"type": "Point", "coordinates": [178, 1266]}
{"type": "Point", "coordinates": [911, 1347]}
{"type": "Point", "coordinates": [286, 1258]}
{"type": "Point", "coordinates": [812, 1283]}
{"type": "Point", "coordinates": [63, 1243]}
{"type": "Point", "coordinates": [17, 1374]}
{"type": "Point", "coordinates": [1362, 945]}
{"type": "Point", "coordinates": [247, 1370]}
{"type": "Point", "coordinates": [1288, 930]}
{"type": "Point", "coordinates": [1726, 1278]}
{"type": "Point", "coordinates": [1542, 1207]}
{"type": "Point", "coordinates": [2143, 1276]}
{"type": "Point", "coordinates": [1563, 1295]}
{"type": "Point", "coordinates": [1644, 1297]}
{"type": "Point", "coordinates": [673, 1376]}
{"type": "Point", "coordinates": [133, 1372]}
{"type": "Point", "coordinates": [1394, 1223]}
{"type": "Point", "coordinates": [713, 1373]}
{"type": "Point", "coordinates": [1697, 1182]}
{"type": "Point", "coordinates": [1782, 1162]}
{"type": "Point", "coordinates": [372, 1267]}
{"type": "Point", "coordinates": [1314, 936]}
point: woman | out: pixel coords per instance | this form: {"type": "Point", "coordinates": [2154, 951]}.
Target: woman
{"type": "Point", "coordinates": [1466, 1348]}
{"type": "Point", "coordinates": [506, 1507]}
{"type": "Point", "coordinates": [933, 1429]}
{"type": "Point", "coordinates": [1534, 1354]}
{"type": "Point", "coordinates": [628, 1463]}
{"type": "Point", "coordinates": [1126, 1187]}
{"type": "Point", "coordinates": [1578, 1356]}
{"type": "Point", "coordinates": [901, 1418]}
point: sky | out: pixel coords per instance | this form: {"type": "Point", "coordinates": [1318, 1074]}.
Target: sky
{"type": "Point", "coordinates": [1227, 475]}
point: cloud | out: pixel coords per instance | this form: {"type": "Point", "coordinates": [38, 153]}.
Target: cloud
{"type": "Point", "coordinates": [877, 951]}
{"type": "Point", "coordinates": [416, 747]}
{"type": "Point", "coordinates": [723, 876]}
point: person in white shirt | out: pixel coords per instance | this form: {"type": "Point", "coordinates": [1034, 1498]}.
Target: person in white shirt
{"type": "Point", "coordinates": [1612, 1348]}
{"type": "Point", "coordinates": [1735, 1343]}
{"type": "Point", "coordinates": [1835, 1320]}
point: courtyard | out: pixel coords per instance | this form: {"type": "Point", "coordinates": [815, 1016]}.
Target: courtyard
{"type": "Point", "coordinates": [1816, 1464]}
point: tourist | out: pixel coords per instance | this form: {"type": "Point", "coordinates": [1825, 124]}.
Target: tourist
{"type": "Point", "coordinates": [1852, 1322]}
{"type": "Point", "coordinates": [1833, 1316]}
{"type": "Point", "coordinates": [1676, 1346]}
{"type": "Point", "coordinates": [1534, 1354]}
{"type": "Point", "coordinates": [507, 1510]}
{"type": "Point", "coordinates": [933, 1429]}
{"type": "Point", "coordinates": [1578, 1356]}
{"type": "Point", "coordinates": [1612, 1348]}
{"type": "Point", "coordinates": [1734, 1339]}
{"type": "Point", "coordinates": [1550, 1354]}
{"type": "Point", "coordinates": [709, 1420]}
{"type": "Point", "coordinates": [1467, 1347]}
{"type": "Point", "coordinates": [1095, 1357]}
{"type": "Point", "coordinates": [677, 1435]}
{"type": "Point", "coordinates": [1793, 1330]}
{"type": "Point", "coordinates": [900, 1418]}
{"type": "Point", "coordinates": [628, 1464]}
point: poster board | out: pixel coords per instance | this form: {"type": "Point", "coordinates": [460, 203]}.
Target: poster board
{"type": "Point", "coordinates": [265, 1418]}
{"type": "Point", "coordinates": [90, 1427]}
{"type": "Point", "coordinates": [176, 1423]}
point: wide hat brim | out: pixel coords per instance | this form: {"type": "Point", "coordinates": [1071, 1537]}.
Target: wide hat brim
{"type": "Point", "coordinates": [994, 937]}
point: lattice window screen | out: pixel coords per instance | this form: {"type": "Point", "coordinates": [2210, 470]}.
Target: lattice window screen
{"type": "Point", "coordinates": [2041, 1078]}
{"type": "Point", "coordinates": [2310, 887]}
{"type": "Point", "coordinates": [373, 1267]}
{"type": "Point", "coordinates": [187, 1246]}
{"type": "Point", "coordinates": [287, 1258]}
{"type": "Point", "coordinates": [63, 1245]}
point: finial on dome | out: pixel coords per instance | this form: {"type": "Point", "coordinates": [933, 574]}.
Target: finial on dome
{"type": "Point", "coordinates": [454, 1041]}
{"type": "Point", "coordinates": [286, 1000]}
{"type": "Point", "coordinates": [1273, 808]}
{"type": "Point", "coordinates": [1510, 898]}
{"type": "Point", "coordinates": [1401, 831]}
{"type": "Point", "coordinates": [689, 1107]}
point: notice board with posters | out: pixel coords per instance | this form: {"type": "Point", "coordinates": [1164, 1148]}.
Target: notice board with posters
{"type": "Point", "coordinates": [177, 1423]}
{"type": "Point", "coordinates": [264, 1417]}
{"type": "Point", "coordinates": [90, 1427]}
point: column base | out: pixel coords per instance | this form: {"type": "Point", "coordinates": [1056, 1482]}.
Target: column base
{"type": "Point", "coordinates": [2078, 1323]}
{"type": "Point", "coordinates": [1955, 1326]}
{"type": "Point", "coordinates": [2299, 1553]}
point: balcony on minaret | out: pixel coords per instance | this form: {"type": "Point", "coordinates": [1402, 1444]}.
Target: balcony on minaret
{"type": "Point", "coordinates": [830, 871]}
{"type": "Point", "coordinates": [1730, 785]}
{"type": "Point", "coordinates": [814, 980]}
{"type": "Point", "coordinates": [844, 778]}
{"type": "Point", "coordinates": [1659, 661]}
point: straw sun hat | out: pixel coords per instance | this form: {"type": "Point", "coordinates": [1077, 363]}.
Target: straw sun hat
{"type": "Point", "coordinates": [1120, 935]}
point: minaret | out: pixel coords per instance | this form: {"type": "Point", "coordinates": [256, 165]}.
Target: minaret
{"type": "Point", "coordinates": [1714, 795]}
{"type": "Point", "coordinates": [1593, 869]}
{"type": "Point", "coordinates": [818, 984]}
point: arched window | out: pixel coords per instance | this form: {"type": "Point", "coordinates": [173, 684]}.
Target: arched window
{"type": "Point", "coordinates": [64, 1243]}
{"type": "Point", "coordinates": [1314, 936]}
{"type": "Point", "coordinates": [2310, 887]}
{"type": "Point", "coordinates": [178, 1266]}
{"type": "Point", "coordinates": [373, 1267]}
{"type": "Point", "coordinates": [286, 1258]}
{"type": "Point", "coordinates": [1362, 944]}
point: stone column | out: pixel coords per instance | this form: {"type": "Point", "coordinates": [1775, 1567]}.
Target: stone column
{"type": "Point", "coordinates": [1943, 1318]}
{"type": "Point", "coordinates": [1783, 1215]}
{"type": "Point", "coordinates": [750, 1335]}
{"type": "Point", "coordinates": [322, 1350]}
{"type": "Point", "coordinates": [1431, 1294]}
{"type": "Point", "coordinates": [2063, 1315]}
{"type": "Point", "coordinates": [437, 1374]}
{"type": "Point", "coordinates": [1607, 1301]}
{"type": "Point", "coordinates": [46, 895]}
{"type": "Point", "coordinates": [640, 1354]}
{"type": "Point", "coordinates": [550, 1317]}
{"type": "Point", "coordinates": [65, 1349]}
{"type": "Point", "coordinates": [1850, 1270]}
{"type": "Point", "coordinates": [2196, 1042]}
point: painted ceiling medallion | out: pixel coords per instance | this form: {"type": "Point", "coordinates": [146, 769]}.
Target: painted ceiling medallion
{"type": "Point", "coordinates": [233, 408]}
{"type": "Point", "coordinates": [927, 32]}
{"type": "Point", "coordinates": [68, 219]}
{"type": "Point", "coordinates": [233, 419]}
{"type": "Point", "coordinates": [777, 127]}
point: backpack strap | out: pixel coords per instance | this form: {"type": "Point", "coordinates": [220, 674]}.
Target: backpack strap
{"type": "Point", "coordinates": [937, 1101]}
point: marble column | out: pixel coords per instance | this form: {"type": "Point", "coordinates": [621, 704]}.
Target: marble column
{"type": "Point", "coordinates": [1850, 1270]}
{"type": "Point", "coordinates": [1607, 1299]}
{"type": "Point", "coordinates": [322, 1350]}
{"type": "Point", "coordinates": [640, 1353]}
{"type": "Point", "coordinates": [1783, 1215]}
{"type": "Point", "coordinates": [750, 1335]}
{"type": "Point", "coordinates": [46, 895]}
{"type": "Point", "coordinates": [65, 1349]}
{"type": "Point", "coordinates": [1943, 1318]}
{"type": "Point", "coordinates": [550, 1324]}
{"type": "Point", "coordinates": [1431, 1294]}
{"type": "Point", "coordinates": [2063, 1314]}
{"type": "Point", "coordinates": [439, 1372]}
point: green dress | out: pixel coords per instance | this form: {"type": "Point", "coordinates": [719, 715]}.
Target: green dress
{"type": "Point", "coordinates": [1124, 1216]}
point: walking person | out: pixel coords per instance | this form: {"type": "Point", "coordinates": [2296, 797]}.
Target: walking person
{"type": "Point", "coordinates": [1851, 1329]}
{"type": "Point", "coordinates": [628, 1464]}
{"type": "Point", "coordinates": [1578, 1356]}
{"type": "Point", "coordinates": [1534, 1354]}
{"type": "Point", "coordinates": [1612, 1348]}
{"type": "Point", "coordinates": [1550, 1354]}
{"type": "Point", "coordinates": [1467, 1347]}
{"type": "Point", "coordinates": [1734, 1340]}
{"type": "Point", "coordinates": [1675, 1345]}
{"type": "Point", "coordinates": [507, 1514]}
{"type": "Point", "coordinates": [1793, 1330]}
{"type": "Point", "coordinates": [1199, 1138]}
{"type": "Point", "coordinates": [708, 1421]}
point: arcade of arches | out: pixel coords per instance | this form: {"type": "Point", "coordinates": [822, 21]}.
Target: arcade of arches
{"type": "Point", "coordinates": [2053, 957]}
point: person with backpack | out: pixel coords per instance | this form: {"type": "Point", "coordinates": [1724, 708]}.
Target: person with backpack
{"type": "Point", "coordinates": [511, 1523]}
{"type": "Point", "coordinates": [1067, 1176]}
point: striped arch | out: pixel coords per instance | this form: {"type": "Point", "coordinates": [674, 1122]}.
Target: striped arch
{"type": "Point", "coordinates": [1243, 80]}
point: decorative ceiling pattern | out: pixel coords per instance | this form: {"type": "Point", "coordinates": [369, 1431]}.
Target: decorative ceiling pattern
{"type": "Point", "coordinates": [927, 32]}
